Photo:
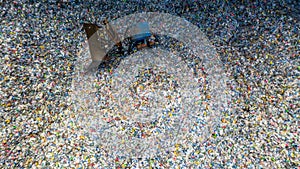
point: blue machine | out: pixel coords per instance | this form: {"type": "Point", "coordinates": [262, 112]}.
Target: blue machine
{"type": "Point", "coordinates": [143, 32]}
{"type": "Point", "coordinates": [141, 37]}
